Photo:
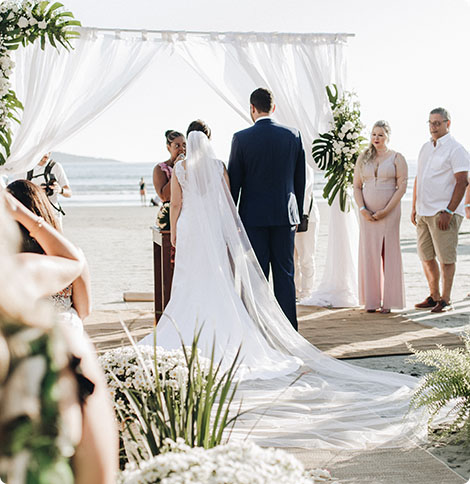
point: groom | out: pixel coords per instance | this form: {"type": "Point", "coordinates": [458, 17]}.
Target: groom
{"type": "Point", "coordinates": [267, 163]}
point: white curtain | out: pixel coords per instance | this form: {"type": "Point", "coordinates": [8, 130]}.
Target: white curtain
{"type": "Point", "coordinates": [338, 287]}
{"type": "Point", "coordinates": [295, 67]}
{"type": "Point", "coordinates": [62, 91]}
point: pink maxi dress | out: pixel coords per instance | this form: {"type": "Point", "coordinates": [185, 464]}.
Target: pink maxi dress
{"type": "Point", "coordinates": [380, 261]}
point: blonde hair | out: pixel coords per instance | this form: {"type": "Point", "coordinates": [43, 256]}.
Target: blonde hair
{"type": "Point", "coordinates": [370, 152]}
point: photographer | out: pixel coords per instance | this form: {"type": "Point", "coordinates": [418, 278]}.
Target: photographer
{"type": "Point", "coordinates": [50, 175]}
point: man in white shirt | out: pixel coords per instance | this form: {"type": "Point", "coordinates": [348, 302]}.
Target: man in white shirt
{"type": "Point", "coordinates": [438, 207]}
{"type": "Point", "coordinates": [51, 176]}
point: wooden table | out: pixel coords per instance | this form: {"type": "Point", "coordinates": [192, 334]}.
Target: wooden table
{"type": "Point", "coordinates": [162, 269]}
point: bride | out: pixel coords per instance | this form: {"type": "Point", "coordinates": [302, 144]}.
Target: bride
{"type": "Point", "coordinates": [298, 396]}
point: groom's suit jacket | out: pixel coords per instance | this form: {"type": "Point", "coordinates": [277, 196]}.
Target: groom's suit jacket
{"type": "Point", "coordinates": [267, 164]}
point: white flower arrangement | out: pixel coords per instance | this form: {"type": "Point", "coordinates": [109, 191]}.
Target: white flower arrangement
{"type": "Point", "coordinates": [337, 151]}
{"type": "Point", "coordinates": [124, 368]}
{"type": "Point", "coordinates": [235, 463]}
{"type": "Point", "coordinates": [22, 23]}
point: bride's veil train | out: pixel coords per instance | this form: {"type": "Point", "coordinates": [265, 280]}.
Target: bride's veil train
{"type": "Point", "coordinates": [332, 404]}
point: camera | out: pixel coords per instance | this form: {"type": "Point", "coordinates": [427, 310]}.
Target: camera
{"type": "Point", "coordinates": [49, 185]}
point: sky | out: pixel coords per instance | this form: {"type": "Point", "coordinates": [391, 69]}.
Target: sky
{"type": "Point", "coordinates": [407, 57]}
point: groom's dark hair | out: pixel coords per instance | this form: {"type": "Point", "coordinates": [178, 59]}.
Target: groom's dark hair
{"type": "Point", "coordinates": [262, 99]}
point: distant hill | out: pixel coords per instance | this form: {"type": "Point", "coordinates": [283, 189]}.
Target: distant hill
{"type": "Point", "coordinates": [68, 158]}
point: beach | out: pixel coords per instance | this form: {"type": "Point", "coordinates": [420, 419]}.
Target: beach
{"type": "Point", "coordinates": [117, 242]}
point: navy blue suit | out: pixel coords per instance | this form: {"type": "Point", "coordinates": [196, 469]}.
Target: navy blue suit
{"type": "Point", "coordinates": [267, 165]}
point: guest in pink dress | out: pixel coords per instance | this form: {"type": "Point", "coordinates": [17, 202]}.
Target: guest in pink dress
{"type": "Point", "coordinates": [380, 180]}
{"type": "Point", "coordinates": [176, 146]}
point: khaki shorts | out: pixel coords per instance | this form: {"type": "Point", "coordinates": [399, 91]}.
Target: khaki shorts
{"type": "Point", "coordinates": [432, 241]}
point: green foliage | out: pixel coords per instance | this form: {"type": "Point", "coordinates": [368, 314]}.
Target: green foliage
{"type": "Point", "coordinates": [21, 24]}
{"type": "Point", "coordinates": [336, 151]}
{"type": "Point", "coordinates": [199, 412]}
{"type": "Point", "coordinates": [34, 427]}
{"type": "Point", "coordinates": [446, 388]}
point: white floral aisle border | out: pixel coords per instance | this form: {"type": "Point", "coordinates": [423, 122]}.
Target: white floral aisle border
{"type": "Point", "coordinates": [124, 368]}
{"type": "Point", "coordinates": [337, 151]}
{"type": "Point", "coordinates": [235, 462]}
{"type": "Point", "coordinates": [23, 23]}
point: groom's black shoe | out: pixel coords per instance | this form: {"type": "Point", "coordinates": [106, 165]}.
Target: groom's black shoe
{"type": "Point", "coordinates": [426, 304]}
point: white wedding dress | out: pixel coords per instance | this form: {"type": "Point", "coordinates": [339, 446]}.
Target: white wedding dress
{"type": "Point", "coordinates": [297, 396]}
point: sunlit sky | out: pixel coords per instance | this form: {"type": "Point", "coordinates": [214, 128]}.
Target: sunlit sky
{"type": "Point", "coordinates": [407, 57]}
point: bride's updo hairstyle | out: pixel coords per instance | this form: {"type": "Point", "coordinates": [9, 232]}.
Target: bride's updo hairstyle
{"type": "Point", "coordinates": [370, 152]}
{"type": "Point", "coordinates": [199, 125]}
{"type": "Point", "coordinates": [171, 135]}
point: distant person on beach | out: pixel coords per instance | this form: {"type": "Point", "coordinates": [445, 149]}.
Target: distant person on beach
{"type": "Point", "coordinates": [73, 425]}
{"type": "Point", "coordinates": [51, 177]}
{"type": "Point", "coordinates": [72, 302]}
{"type": "Point", "coordinates": [176, 146]}
{"type": "Point", "coordinates": [380, 180]}
{"type": "Point", "coordinates": [143, 192]}
{"type": "Point", "coordinates": [438, 207]}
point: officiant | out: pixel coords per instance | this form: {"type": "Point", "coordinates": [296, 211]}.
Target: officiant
{"type": "Point", "coordinates": [176, 146]}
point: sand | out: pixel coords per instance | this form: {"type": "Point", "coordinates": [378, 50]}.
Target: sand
{"type": "Point", "coordinates": [117, 242]}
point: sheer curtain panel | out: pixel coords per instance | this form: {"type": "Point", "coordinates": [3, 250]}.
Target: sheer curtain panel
{"type": "Point", "coordinates": [62, 91]}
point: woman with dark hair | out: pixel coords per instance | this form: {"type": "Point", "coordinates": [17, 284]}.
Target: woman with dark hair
{"type": "Point", "coordinates": [73, 302]}
{"type": "Point", "coordinates": [176, 146]}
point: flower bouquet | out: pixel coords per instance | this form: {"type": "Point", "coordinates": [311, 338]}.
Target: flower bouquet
{"type": "Point", "coordinates": [336, 151]}
{"type": "Point", "coordinates": [234, 463]}
{"type": "Point", "coordinates": [163, 217]}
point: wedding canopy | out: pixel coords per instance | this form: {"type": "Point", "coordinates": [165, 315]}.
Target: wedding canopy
{"type": "Point", "coordinates": [62, 91]}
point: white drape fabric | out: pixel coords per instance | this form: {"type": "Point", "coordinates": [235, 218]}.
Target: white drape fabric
{"type": "Point", "coordinates": [62, 91]}
{"type": "Point", "coordinates": [338, 287]}
{"type": "Point", "coordinates": [296, 68]}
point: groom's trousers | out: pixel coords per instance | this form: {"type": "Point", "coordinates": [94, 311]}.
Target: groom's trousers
{"type": "Point", "coordinates": [274, 248]}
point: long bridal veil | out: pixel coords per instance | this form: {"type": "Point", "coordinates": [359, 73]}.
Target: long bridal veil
{"type": "Point", "coordinates": [317, 402]}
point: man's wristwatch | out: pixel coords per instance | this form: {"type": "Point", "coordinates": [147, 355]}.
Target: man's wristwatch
{"type": "Point", "coordinates": [62, 190]}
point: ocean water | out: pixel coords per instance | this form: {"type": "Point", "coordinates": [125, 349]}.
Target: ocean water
{"type": "Point", "coordinates": [97, 182]}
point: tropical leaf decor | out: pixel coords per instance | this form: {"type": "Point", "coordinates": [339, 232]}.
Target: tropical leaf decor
{"type": "Point", "coordinates": [446, 389]}
{"type": "Point", "coordinates": [23, 23]}
{"type": "Point", "coordinates": [336, 151]}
